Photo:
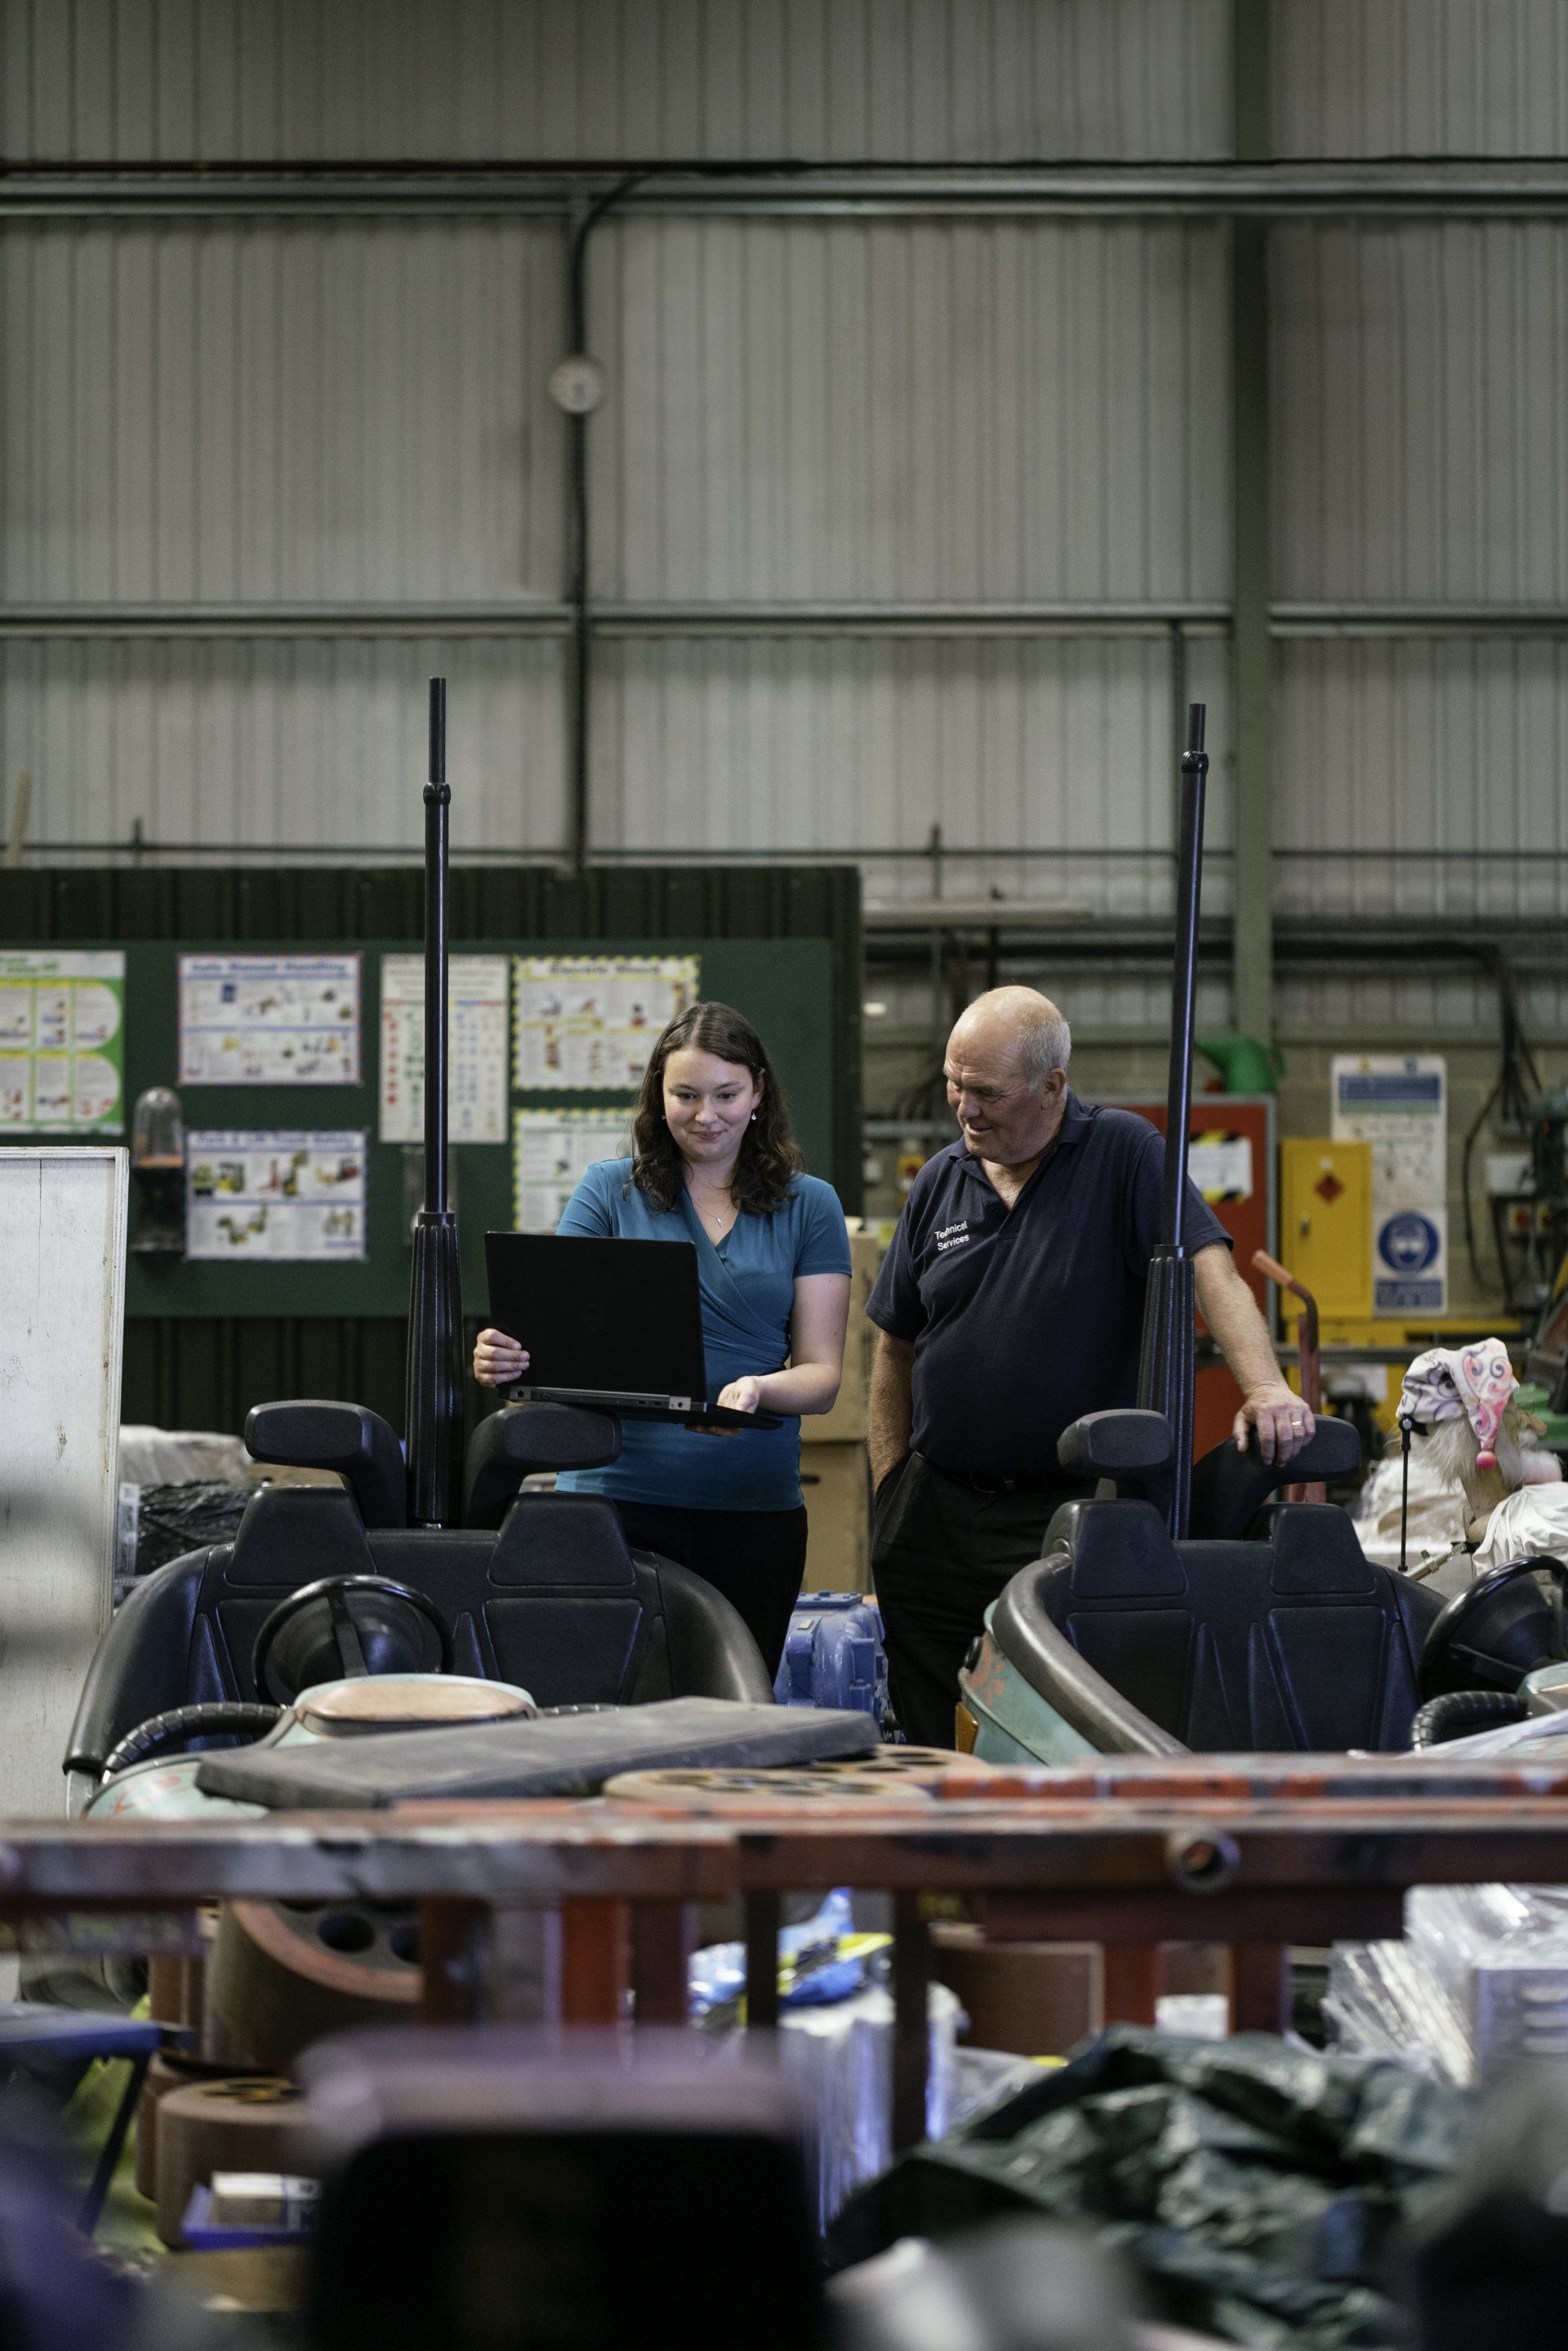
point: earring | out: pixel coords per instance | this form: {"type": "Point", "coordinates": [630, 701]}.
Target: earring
{"type": "Point", "coordinates": [754, 1118]}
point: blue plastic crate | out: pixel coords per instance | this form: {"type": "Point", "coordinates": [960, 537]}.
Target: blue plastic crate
{"type": "Point", "coordinates": [833, 1654]}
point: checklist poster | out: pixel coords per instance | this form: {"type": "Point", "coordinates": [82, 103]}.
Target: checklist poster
{"type": "Point", "coordinates": [475, 1049]}
{"type": "Point", "coordinates": [552, 1150]}
{"type": "Point", "coordinates": [588, 1023]}
{"type": "Point", "coordinates": [269, 1021]}
{"type": "Point", "coordinates": [266, 1195]}
{"type": "Point", "coordinates": [62, 1042]}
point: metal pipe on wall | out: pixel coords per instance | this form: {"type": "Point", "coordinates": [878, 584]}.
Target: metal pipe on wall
{"type": "Point", "coordinates": [1301, 188]}
{"type": "Point", "coordinates": [577, 802]}
{"type": "Point", "coordinates": [739, 617]}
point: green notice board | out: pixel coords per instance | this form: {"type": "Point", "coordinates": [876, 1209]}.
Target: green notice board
{"type": "Point", "coordinates": [785, 986]}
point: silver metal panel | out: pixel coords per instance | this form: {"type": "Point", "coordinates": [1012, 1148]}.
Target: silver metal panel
{"type": "Point", "coordinates": [332, 411]}
{"type": "Point", "coordinates": [838, 744]}
{"type": "Point", "coordinates": [1460, 745]}
{"type": "Point", "coordinates": [905, 409]}
{"type": "Point", "coordinates": [1420, 378]}
{"type": "Point", "coordinates": [283, 743]}
{"type": "Point", "coordinates": [62, 1243]}
{"type": "Point", "coordinates": [1420, 77]}
{"type": "Point", "coordinates": [563, 80]}
{"type": "Point", "coordinates": [1414, 1010]}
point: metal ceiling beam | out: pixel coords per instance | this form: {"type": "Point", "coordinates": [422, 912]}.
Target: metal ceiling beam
{"type": "Point", "coordinates": [513, 616]}
{"type": "Point", "coordinates": [1415, 188]}
{"type": "Point", "coordinates": [795, 617]}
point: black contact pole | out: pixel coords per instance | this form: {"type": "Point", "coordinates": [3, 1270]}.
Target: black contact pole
{"type": "Point", "coordinates": [1166, 1374]}
{"type": "Point", "coordinates": [434, 1416]}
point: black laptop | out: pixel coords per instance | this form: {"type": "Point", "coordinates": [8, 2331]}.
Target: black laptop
{"type": "Point", "coordinates": [613, 1325]}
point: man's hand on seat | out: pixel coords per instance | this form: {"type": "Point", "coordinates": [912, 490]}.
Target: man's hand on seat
{"type": "Point", "coordinates": [1281, 1420]}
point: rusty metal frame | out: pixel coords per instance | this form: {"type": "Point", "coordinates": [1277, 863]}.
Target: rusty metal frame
{"type": "Point", "coordinates": [1129, 1852]}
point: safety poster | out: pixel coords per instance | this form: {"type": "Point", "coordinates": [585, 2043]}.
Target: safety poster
{"type": "Point", "coordinates": [552, 1150]}
{"type": "Point", "coordinates": [475, 1047]}
{"type": "Point", "coordinates": [274, 1195]}
{"type": "Point", "coordinates": [589, 1023]}
{"type": "Point", "coordinates": [269, 1021]}
{"type": "Point", "coordinates": [62, 1042]}
{"type": "Point", "coordinates": [1398, 1103]}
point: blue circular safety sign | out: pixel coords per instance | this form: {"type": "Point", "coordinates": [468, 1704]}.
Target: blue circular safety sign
{"type": "Point", "coordinates": [1409, 1243]}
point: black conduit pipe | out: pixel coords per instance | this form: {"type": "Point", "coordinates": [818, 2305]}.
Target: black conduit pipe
{"type": "Point", "coordinates": [581, 660]}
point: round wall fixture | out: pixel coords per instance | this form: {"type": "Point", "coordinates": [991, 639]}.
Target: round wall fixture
{"type": "Point", "coordinates": [576, 384]}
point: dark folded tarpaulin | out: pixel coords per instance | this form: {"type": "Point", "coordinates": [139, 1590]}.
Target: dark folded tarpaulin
{"type": "Point", "coordinates": [1259, 2188]}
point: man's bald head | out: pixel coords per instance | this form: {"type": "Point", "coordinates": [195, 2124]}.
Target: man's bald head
{"type": "Point", "coordinates": [1008, 1021]}
{"type": "Point", "coordinates": [1006, 1069]}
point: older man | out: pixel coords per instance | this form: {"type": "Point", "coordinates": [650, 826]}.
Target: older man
{"type": "Point", "coordinates": [1011, 1302]}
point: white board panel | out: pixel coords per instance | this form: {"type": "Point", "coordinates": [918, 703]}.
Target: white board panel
{"type": "Point", "coordinates": [62, 1315]}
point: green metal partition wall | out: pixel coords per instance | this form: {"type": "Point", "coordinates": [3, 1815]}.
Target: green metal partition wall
{"type": "Point", "coordinates": [203, 1342]}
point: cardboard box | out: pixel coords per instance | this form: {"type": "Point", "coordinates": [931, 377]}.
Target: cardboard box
{"type": "Point", "coordinates": [835, 1481]}
{"type": "Point", "coordinates": [850, 1418]}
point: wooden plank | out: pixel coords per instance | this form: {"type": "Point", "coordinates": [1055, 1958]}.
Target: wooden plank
{"type": "Point", "coordinates": [1260, 1988]}
{"type": "Point", "coordinates": [595, 1962]}
{"type": "Point", "coordinates": [911, 2021]}
{"type": "Point", "coordinates": [663, 1936]}
{"type": "Point", "coordinates": [762, 1913]}
{"type": "Point", "coordinates": [1131, 1982]}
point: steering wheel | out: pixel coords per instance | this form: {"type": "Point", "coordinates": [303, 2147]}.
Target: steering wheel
{"type": "Point", "coordinates": [344, 1634]}
{"type": "Point", "coordinates": [1454, 1629]}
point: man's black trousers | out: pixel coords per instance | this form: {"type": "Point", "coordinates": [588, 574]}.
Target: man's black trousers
{"type": "Point", "coordinates": [941, 1552]}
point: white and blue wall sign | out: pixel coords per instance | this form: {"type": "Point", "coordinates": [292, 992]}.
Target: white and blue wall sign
{"type": "Point", "coordinates": [1398, 1103]}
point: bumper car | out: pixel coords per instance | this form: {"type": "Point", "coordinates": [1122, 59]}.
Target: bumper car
{"type": "Point", "coordinates": [538, 1592]}
{"type": "Point", "coordinates": [1266, 1631]}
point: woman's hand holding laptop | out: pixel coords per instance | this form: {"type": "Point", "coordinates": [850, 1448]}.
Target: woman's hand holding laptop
{"type": "Point", "coordinates": [498, 1361]}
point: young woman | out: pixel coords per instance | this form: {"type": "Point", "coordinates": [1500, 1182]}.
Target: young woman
{"type": "Point", "coordinates": [714, 1163]}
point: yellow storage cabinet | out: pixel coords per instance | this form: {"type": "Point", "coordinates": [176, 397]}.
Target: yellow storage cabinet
{"type": "Point", "coordinates": [1325, 1224]}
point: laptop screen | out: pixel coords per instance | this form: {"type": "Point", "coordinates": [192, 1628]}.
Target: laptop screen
{"type": "Point", "coordinates": [617, 1316]}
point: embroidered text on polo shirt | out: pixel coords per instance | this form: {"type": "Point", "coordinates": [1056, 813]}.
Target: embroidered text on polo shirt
{"type": "Point", "coordinates": [952, 1236]}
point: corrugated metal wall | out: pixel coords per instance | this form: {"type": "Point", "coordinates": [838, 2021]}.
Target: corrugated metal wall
{"type": "Point", "coordinates": [1420, 77]}
{"type": "Point", "coordinates": [288, 743]}
{"type": "Point", "coordinates": [855, 744]}
{"type": "Point", "coordinates": [356, 413]}
{"type": "Point", "coordinates": [1421, 411]}
{"type": "Point", "coordinates": [549, 80]}
{"type": "Point", "coordinates": [980, 412]}
{"type": "Point", "coordinates": [300, 409]}
{"type": "Point", "coordinates": [968, 414]}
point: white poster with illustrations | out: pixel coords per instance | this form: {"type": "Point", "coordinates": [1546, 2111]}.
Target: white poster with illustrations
{"type": "Point", "coordinates": [475, 1049]}
{"type": "Point", "coordinates": [274, 1195]}
{"type": "Point", "coordinates": [552, 1150]}
{"type": "Point", "coordinates": [62, 1040]}
{"type": "Point", "coordinates": [1398, 1103]}
{"type": "Point", "coordinates": [269, 1021]}
{"type": "Point", "coordinates": [589, 1023]}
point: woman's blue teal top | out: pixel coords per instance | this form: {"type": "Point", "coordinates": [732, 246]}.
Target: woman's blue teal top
{"type": "Point", "coordinates": [747, 1286]}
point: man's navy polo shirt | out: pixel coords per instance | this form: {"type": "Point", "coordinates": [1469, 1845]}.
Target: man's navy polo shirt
{"type": "Point", "coordinates": [1023, 1318]}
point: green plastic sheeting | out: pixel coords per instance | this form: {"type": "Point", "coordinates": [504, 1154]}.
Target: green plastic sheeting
{"type": "Point", "coordinates": [1260, 2190]}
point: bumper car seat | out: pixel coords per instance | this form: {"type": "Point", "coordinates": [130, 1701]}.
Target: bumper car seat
{"type": "Point", "coordinates": [552, 1597]}
{"type": "Point", "coordinates": [1292, 1642]}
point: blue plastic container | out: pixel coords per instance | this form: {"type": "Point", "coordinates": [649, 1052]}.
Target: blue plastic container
{"type": "Point", "coordinates": [833, 1654]}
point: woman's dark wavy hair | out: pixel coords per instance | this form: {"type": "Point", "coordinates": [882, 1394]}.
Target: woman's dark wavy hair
{"type": "Point", "coordinates": [769, 1157]}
